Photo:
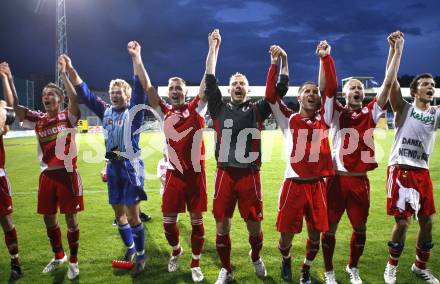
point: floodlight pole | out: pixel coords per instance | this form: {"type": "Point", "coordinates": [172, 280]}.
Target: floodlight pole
{"type": "Point", "coordinates": [61, 37]}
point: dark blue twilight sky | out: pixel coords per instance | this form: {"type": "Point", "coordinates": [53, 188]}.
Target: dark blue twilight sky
{"type": "Point", "coordinates": [173, 35]}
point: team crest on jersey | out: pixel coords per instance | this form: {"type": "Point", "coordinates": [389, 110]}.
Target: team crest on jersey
{"type": "Point", "coordinates": [365, 110]}
{"type": "Point", "coordinates": [120, 121]}
{"type": "Point", "coordinates": [185, 113]}
{"type": "Point", "coordinates": [62, 116]}
{"type": "Point", "coordinates": [109, 121]}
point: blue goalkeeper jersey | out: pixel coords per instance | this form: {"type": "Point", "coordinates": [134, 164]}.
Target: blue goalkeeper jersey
{"type": "Point", "coordinates": [119, 125]}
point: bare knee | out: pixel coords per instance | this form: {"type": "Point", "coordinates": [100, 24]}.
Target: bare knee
{"type": "Point", "coordinates": [362, 228]}
{"type": "Point", "coordinates": [254, 228]}
{"type": "Point", "coordinates": [71, 221]}
{"type": "Point", "coordinates": [6, 222]}
{"type": "Point", "coordinates": [223, 226]}
{"type": "Point", "coordinates": [50, 221]}
{"type": "Point", "coordinates": [120, 215]}
{"type": "Point", "coordinates": [285, 240]}
{"type": "Point", "coordinates": [402, 224]}
{"type": "Point", "coordinates": [426, 223]}
{"type": "Point", "coordinates": [332, 229]}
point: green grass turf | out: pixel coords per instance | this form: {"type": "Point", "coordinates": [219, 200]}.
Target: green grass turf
{"type": "Point", "coordinates": [100, 242]}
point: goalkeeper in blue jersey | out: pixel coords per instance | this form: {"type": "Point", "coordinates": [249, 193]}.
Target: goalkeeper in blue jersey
{"type": "Point", "coordinates": [125, 171]}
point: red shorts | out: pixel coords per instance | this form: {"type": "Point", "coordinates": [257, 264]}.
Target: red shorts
{"type": "Point", "coordinates": [403, 185]}
{"type": "Point", "coordinates": [236, 184]}
{"type": "Point", "coordinates": [5, 194]}
{"type": "Point", "coordinates": [298, 199]}
{"type": "Point", "coordinates": [58, 188]}
{"type": "Point", "coordinates": [351, 193]}
{"type": "Point", "coordinates": [188, 188]}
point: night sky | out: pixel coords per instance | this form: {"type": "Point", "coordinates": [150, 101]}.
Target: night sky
{"type": "Point", "coordinates": [173, 35]}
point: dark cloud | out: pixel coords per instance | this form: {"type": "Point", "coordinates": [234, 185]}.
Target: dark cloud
{"type": "Point", "coordinates": [173, 35]}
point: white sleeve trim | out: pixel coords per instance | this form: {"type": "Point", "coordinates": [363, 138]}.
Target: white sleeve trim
{"type": "Point", "coordinates": [202, 107]}
{"type": "Point", "coordinates": [282, 120]}
{"type": "Point", "coordinates": [377, 112]}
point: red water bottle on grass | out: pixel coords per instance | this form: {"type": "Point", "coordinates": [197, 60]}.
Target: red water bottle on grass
{"type": "Point", "coordinates": [121, 264]}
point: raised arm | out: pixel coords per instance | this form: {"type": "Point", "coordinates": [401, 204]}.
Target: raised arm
{"type": "Point", "coordinates": [96, 104]}
{"type": "Point", "coordinates": [214, 41]}
{"type": "Point", "coordinates": [283, 80]}
{"type": "Point", "coordinates": [73, 105]}
{"type": "Point", "coordinates": [134, 49]}
{"type": "Point", "coordinates": [10, 92]}
{"type": "Point", "coordinates": [327, 73]}
{"type": "Point", "coordinates": [396, 42]}
{"type": "Point", "coordinates": [211, 59]}
{"type": "Point", "coordinates": [280, 111]}
{"type": "Point", "coordinates": [321, 52]}
{"type": "Point", "coordinates": [280, 88]}
{"type": "Point", "coordinates": [328, 82]}
{"type": "Point", "coordinates": [212, 91]}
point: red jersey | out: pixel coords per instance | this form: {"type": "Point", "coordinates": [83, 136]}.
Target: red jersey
{"type": "Point", "coordinates": [48, 130]}
{"type": "Point", "coordinates": [2, 153]}
{"type": "Point", "coordinates": [306, 139]}
{"type": "Point", "coordinates": [353, 144]}
{"type": "Point", "coordinates": [183, 127]}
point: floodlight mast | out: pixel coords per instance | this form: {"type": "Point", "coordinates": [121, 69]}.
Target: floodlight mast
{"type": "Point", "coordinates": [61, 37]}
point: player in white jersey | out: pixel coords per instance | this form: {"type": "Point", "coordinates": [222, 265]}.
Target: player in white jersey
{"type": "Point", "coordinates": [353, 157]}
{"type": "Point", "coordinates": [409, 186]}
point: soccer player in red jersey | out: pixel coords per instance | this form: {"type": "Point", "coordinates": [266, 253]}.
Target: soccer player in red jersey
{"type": "Point", "coordinates": [353, 156]}
{"type": "Point", "coordinates": [6, 207]}
{"type": "Point", "coordinates": [185, 179]}
{"type": "Point", "coordinates": [409, 184]}
{"type": "Point", "coordinates": [60, 184]}
{"type": "Point", "coordinates": [308, 162]}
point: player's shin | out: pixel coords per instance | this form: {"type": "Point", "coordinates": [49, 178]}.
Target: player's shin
{"type": "Point", "coordinates": [357, 245]}
{"type": "Point", "coordinates": [172, 233]}
{"type": "Point", "coordinates": [73, 239]}
{"type": "Point", "coordinates": [139, 238]}
{"type": "Point", "coordinates": [328, 242]}
{"type": "Point", "coordinates": [197, 240]}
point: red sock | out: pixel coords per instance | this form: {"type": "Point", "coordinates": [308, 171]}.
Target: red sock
{"type": "Point", "coordinates": [328, 248]}
{"type": "Point", "coordinates": [422, 257]}
{"type": "Point", "coordinates": [54, 235]}
{"type": "Point", "coordinates": [12, 245]}
{"type": "Point", "coordinates": [395, 250]}
{"type": "Point", "coordinates": [197, 240]}
{"type": "Point", "coordinates": [256, 245]}
{"type": "Point", "coordinates": [172, 233]}
{"type": "Point", "coordinates": [223, 244]}
{"type": "Point", "coordinates": [73, 239]}
{"type": "Point", "coordinates": [285, 252]}
{"type": "Point", "coordinates": [312, 248]}
{"type": "Point", "coordinates": [357, 245]}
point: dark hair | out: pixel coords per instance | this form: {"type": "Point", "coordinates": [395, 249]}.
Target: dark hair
{"type": "Point", "coordinates": [301, 87]}
{"type": "Point", "coordinates": [57, 89]}
{"type": "Point", "coordinates": [415, 82]}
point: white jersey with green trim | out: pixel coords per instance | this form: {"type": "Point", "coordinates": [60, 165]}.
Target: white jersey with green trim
{"type": "Point", "coordinates": [415, 136]}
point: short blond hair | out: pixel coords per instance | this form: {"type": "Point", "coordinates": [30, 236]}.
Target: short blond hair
{"type": "Point", "coordinates": [121, 84]}
{"type": "Point", "coordinates": [172, 79]}
{"type": "Point", "coordinates": [345, 87]}
{"type": "Point", "coordinates": [238, 74]}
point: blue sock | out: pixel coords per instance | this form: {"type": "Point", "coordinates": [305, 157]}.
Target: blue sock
{"type": "Point", "coordinates": [139, 237]}
{"type": "Point", "coordinates": [126, 236]}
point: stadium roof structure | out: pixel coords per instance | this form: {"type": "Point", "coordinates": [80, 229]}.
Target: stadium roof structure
{"type": "Point", "coordinates": [258, 91]}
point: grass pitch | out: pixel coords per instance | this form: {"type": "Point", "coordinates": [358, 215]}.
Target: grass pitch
{"type": "Point", "coordinates": [100, 242]}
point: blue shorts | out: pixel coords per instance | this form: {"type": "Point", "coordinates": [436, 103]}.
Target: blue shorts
{"type": "Point", "coordinates": [125, 186]}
